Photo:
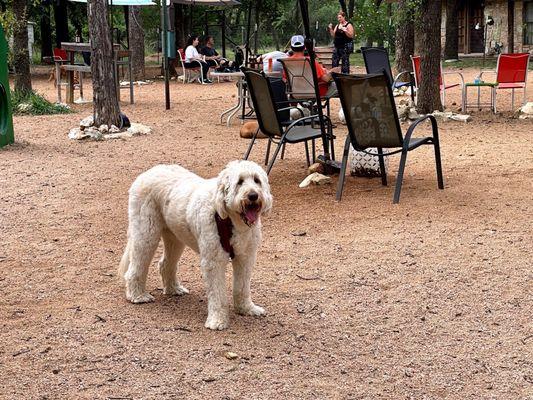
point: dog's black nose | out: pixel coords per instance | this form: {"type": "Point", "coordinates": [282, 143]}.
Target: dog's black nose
{"type": "Point", "coordinates": [253, 196]}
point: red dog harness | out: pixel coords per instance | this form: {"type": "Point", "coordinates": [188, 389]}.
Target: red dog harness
{"type": "Point", "coordinates": [225, 230]}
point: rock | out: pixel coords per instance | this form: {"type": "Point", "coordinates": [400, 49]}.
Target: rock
{"type": "Point", "coordinates": [249, 128]}
{"type": "Point", "coordinates": [527, 109]}
{"type": "Point", "coordinates": [23, 107]}
{"type": "Point", "coordinates": [461, 117]}
{"type": "Point", "coordinates": [413, 114]}
{"type": "Point", "coordinates": [316, 178]}
{"type": "Point", "coordinates": [114, 129]}
{"type": "Point", "coordinates": [75, 133]}
{"type": "Point", "coordinates": [342, 119]}
{"type": "Point", "coordinates": [90, 132]}
{"type": "Point", "coordinates": [104, 128]}
{"type": "Point", "coordinates": [139, 129]}
{"type": "Point", "coordinates": [316, 167]}
{"type": "Point", "coordinates": [118, 135]}
{"type": "Point", "coordinates": [230, 355]}
{"type": "Point", "coordinates": [87, 122]}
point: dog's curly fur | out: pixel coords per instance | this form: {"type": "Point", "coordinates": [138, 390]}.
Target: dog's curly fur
{"type": "Point", "coordinates": [172, 203]}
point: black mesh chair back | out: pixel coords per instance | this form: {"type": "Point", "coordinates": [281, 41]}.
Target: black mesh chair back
{"type": "Point", "coordinates": [299, 78]}
{"type": "Point", "coordinates": [377, 61]}
{"type": "Point", "coordinates": [263, 101]}
{"type": "Point", "coordinates": [370, 111]}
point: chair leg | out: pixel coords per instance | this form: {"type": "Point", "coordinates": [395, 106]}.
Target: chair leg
{"type": "Point", "coordinates": [399, 178]}
{"type": "Point", "coordinates": [512, 100]}
{"type": "Point", "coordinates": [251, 145]}
{"type": "Point", "coordinates": [340, 184]}
{"type": "Point", "coordinates": [307, 153]}
{"type": "Point", "coordinates": [438, 164]}
{"type": "Point", "coordinates": [276, 152]}
{"type": "Point", "coordinates": [382, 167]}
{"type": "Point", "coordinates": [313, 147]}
{"type": "Point", "coordinates": [283, 151]}
{"type": "Point", "coordinates": [268, 151]}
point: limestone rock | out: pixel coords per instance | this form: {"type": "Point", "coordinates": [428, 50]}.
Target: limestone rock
{"type": "Point", "coordinates": [316, 167]}
{"type": "Point", "coordinates": [316, 178]}
{"type": "Point", "coordinates": [137, 129]}
{"type": "Point", "coordinates": [114, 129]}
{"type": "Point", "coordinates": [104, 128]}
{"type": "Point", "coordinates": [342, 119]}
{"type": "Point", "coordinates": [87, 122]}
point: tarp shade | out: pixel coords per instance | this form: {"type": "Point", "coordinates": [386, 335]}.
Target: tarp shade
{"type": "Point", "coordinates": [124, 2]}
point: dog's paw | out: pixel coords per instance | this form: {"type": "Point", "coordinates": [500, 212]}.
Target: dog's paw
{"type": "Point", "coordinates": [217, 322]}
{"type": "Point", "coordinates": [252, 309]}
{"type": "Point", "coordinates": [142, 298]}
{"type": "Point", "coordinates": [177, 290]}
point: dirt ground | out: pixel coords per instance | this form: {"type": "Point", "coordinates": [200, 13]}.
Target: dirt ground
{"type": "Point", "coordinates": [427, 299]}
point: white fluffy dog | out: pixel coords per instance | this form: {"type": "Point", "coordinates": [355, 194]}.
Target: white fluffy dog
{"type": "Point", "coordinates": [215, 217]}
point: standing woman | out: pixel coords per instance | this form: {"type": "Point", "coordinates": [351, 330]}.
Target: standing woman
{"type": "Point", "coordinates": [343, 35]}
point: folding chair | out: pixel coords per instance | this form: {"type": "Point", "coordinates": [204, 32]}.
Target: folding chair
{"type": "Point", "coordinates": [268, 118]}
{"type": "Point", "coordinates": [372, 120]}
{"type": "Point", "coordinates": [443, 85]}
{"type": "Point", "coordinates": [300, 85]}
{"type": "Point", "coordinates": [377, 61]}
{"type": "Point", "coordinates": [511, 73]}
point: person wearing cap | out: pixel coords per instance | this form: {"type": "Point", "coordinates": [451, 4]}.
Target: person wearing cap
{"type": "Point", "coordinates": [343, 35]}
{"type": "Point", "coordinates": [323, 75]}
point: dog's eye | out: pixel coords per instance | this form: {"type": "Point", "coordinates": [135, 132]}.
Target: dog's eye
{"type": "Point", "coordinates": [239, 183]}
{"type": "Point", "coordinates": [257, 180]}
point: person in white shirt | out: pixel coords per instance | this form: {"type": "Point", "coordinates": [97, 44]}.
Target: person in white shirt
{"type": "Point", "coordinates": [273, 67]}
{"type": "Point", "coordinates": [192, 58]}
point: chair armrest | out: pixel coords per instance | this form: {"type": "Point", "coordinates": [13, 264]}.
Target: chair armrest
{"type": "Point", "coordinates": [492, 71]}
{"type": "Point", "coordinates": [456, 73]}
{"type": "Point", "coordinates": [413, 126]}
{"type": "Point", "coordinates": [299, 120]}
{"type": "Point", "coordinates": [402, 73]}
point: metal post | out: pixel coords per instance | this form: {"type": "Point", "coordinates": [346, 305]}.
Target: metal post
{"type": "Point", "coordinates": [164, 17]}
{"type": "Point", "coordinates": [222, 16]}
{"type": "Point", "coordinates": [312, 57]}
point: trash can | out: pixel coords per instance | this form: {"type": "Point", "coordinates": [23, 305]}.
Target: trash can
{"type": "Point", "coordinates": [6, 118]}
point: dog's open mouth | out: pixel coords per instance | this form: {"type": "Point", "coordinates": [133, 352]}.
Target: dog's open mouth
{"type": "Point", "coordinates": [250, 213]}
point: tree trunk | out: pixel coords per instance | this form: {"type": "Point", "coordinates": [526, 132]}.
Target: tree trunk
{"type": "Point", "coordinates": [21, 56]}
{"type": "Point", "coordinates": [61, 21]}
{"type": "Point", "coordinates": [105, 101]}
{"type": "Point", "coordinates": [428, 31]}
{"type": "Point", "coordinates": [351, 9]}
{"type": "Point", "coordinates": [405, 37]}
{"type": "Point", "coordinates": [136, 35]}
{"type": "Point", "coordinates": [46, 31]}
{"type": "Point", "coordinates": [451, 47]}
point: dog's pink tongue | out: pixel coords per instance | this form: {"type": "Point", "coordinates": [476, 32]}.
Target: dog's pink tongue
{"type": "Point", "coordinates": [251, 215]}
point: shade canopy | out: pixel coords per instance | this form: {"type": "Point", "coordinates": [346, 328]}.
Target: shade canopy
{"type": "Point", "coordinates": [124, 2]}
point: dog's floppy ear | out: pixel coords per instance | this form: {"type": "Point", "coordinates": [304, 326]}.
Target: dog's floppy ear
{"type": "Point", "coordinates": [267, 196]}
{"type": "Point", "coordinates": [220, 195]}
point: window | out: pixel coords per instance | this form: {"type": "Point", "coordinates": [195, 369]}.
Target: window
{"type": "Point", "coordinates": [528, 22]}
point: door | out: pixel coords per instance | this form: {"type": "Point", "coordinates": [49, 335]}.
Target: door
{"type": "Point", "coordinates": [476, 18]}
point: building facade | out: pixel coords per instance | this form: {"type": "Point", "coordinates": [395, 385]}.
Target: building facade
{"type": "Point", "coordinates": [512, 30]}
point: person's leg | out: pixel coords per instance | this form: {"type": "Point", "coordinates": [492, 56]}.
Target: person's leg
{"type": "Point", "coordinates": [345, 61]}
{"type": "Point", "coordinates": [205, 69]}
{"type": "Point", "coordinates": [335, 58]}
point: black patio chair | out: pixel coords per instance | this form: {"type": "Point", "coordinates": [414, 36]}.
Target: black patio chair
{"type": "Point", "coordinates": [372, 121]}
{"type": "Point", "coordinates": [270, 123]}
{"type": "Point", "coordinates": [377, 60]}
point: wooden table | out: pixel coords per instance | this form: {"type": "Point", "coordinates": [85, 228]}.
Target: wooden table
{"type": "Point", "coordinates": [70, 67]}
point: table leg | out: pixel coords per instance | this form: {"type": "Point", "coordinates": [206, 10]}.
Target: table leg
{"type": "Point", "coordinates": [131, 80]}
{"type": "Point", "coordinates": [58, 82]}
{"type": "Point", "coordinates": [478, 96]}
{"type": "Point", "coordinates": [240, 104]}
{"type": "Point", "coordinates": [70, 87]}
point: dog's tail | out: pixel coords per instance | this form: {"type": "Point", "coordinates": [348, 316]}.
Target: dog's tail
{"type": "Point", "coordinates": [124, 262]}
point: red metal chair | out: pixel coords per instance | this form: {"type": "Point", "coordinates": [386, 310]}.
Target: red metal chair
{"type": "Point", "coordinates": [511, 73]}
{"type": "Point", "coordinates": [443, 85]}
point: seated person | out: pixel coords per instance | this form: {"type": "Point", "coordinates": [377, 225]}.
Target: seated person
{"type": "Point", "coordinates": [192, 58]}
{"type": "Point", "coordinates": [325, 79]}
{"type": "Point", "coordinates": [212, 58]}
{"type": "Point", "coordinates": [273, 67]}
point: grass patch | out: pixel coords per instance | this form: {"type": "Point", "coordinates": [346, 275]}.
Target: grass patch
{"type": "Point", "coordinates": [32, 103]}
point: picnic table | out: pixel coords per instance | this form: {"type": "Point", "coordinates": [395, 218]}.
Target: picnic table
{"type": "Point", "coordinates": [121, 58]}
